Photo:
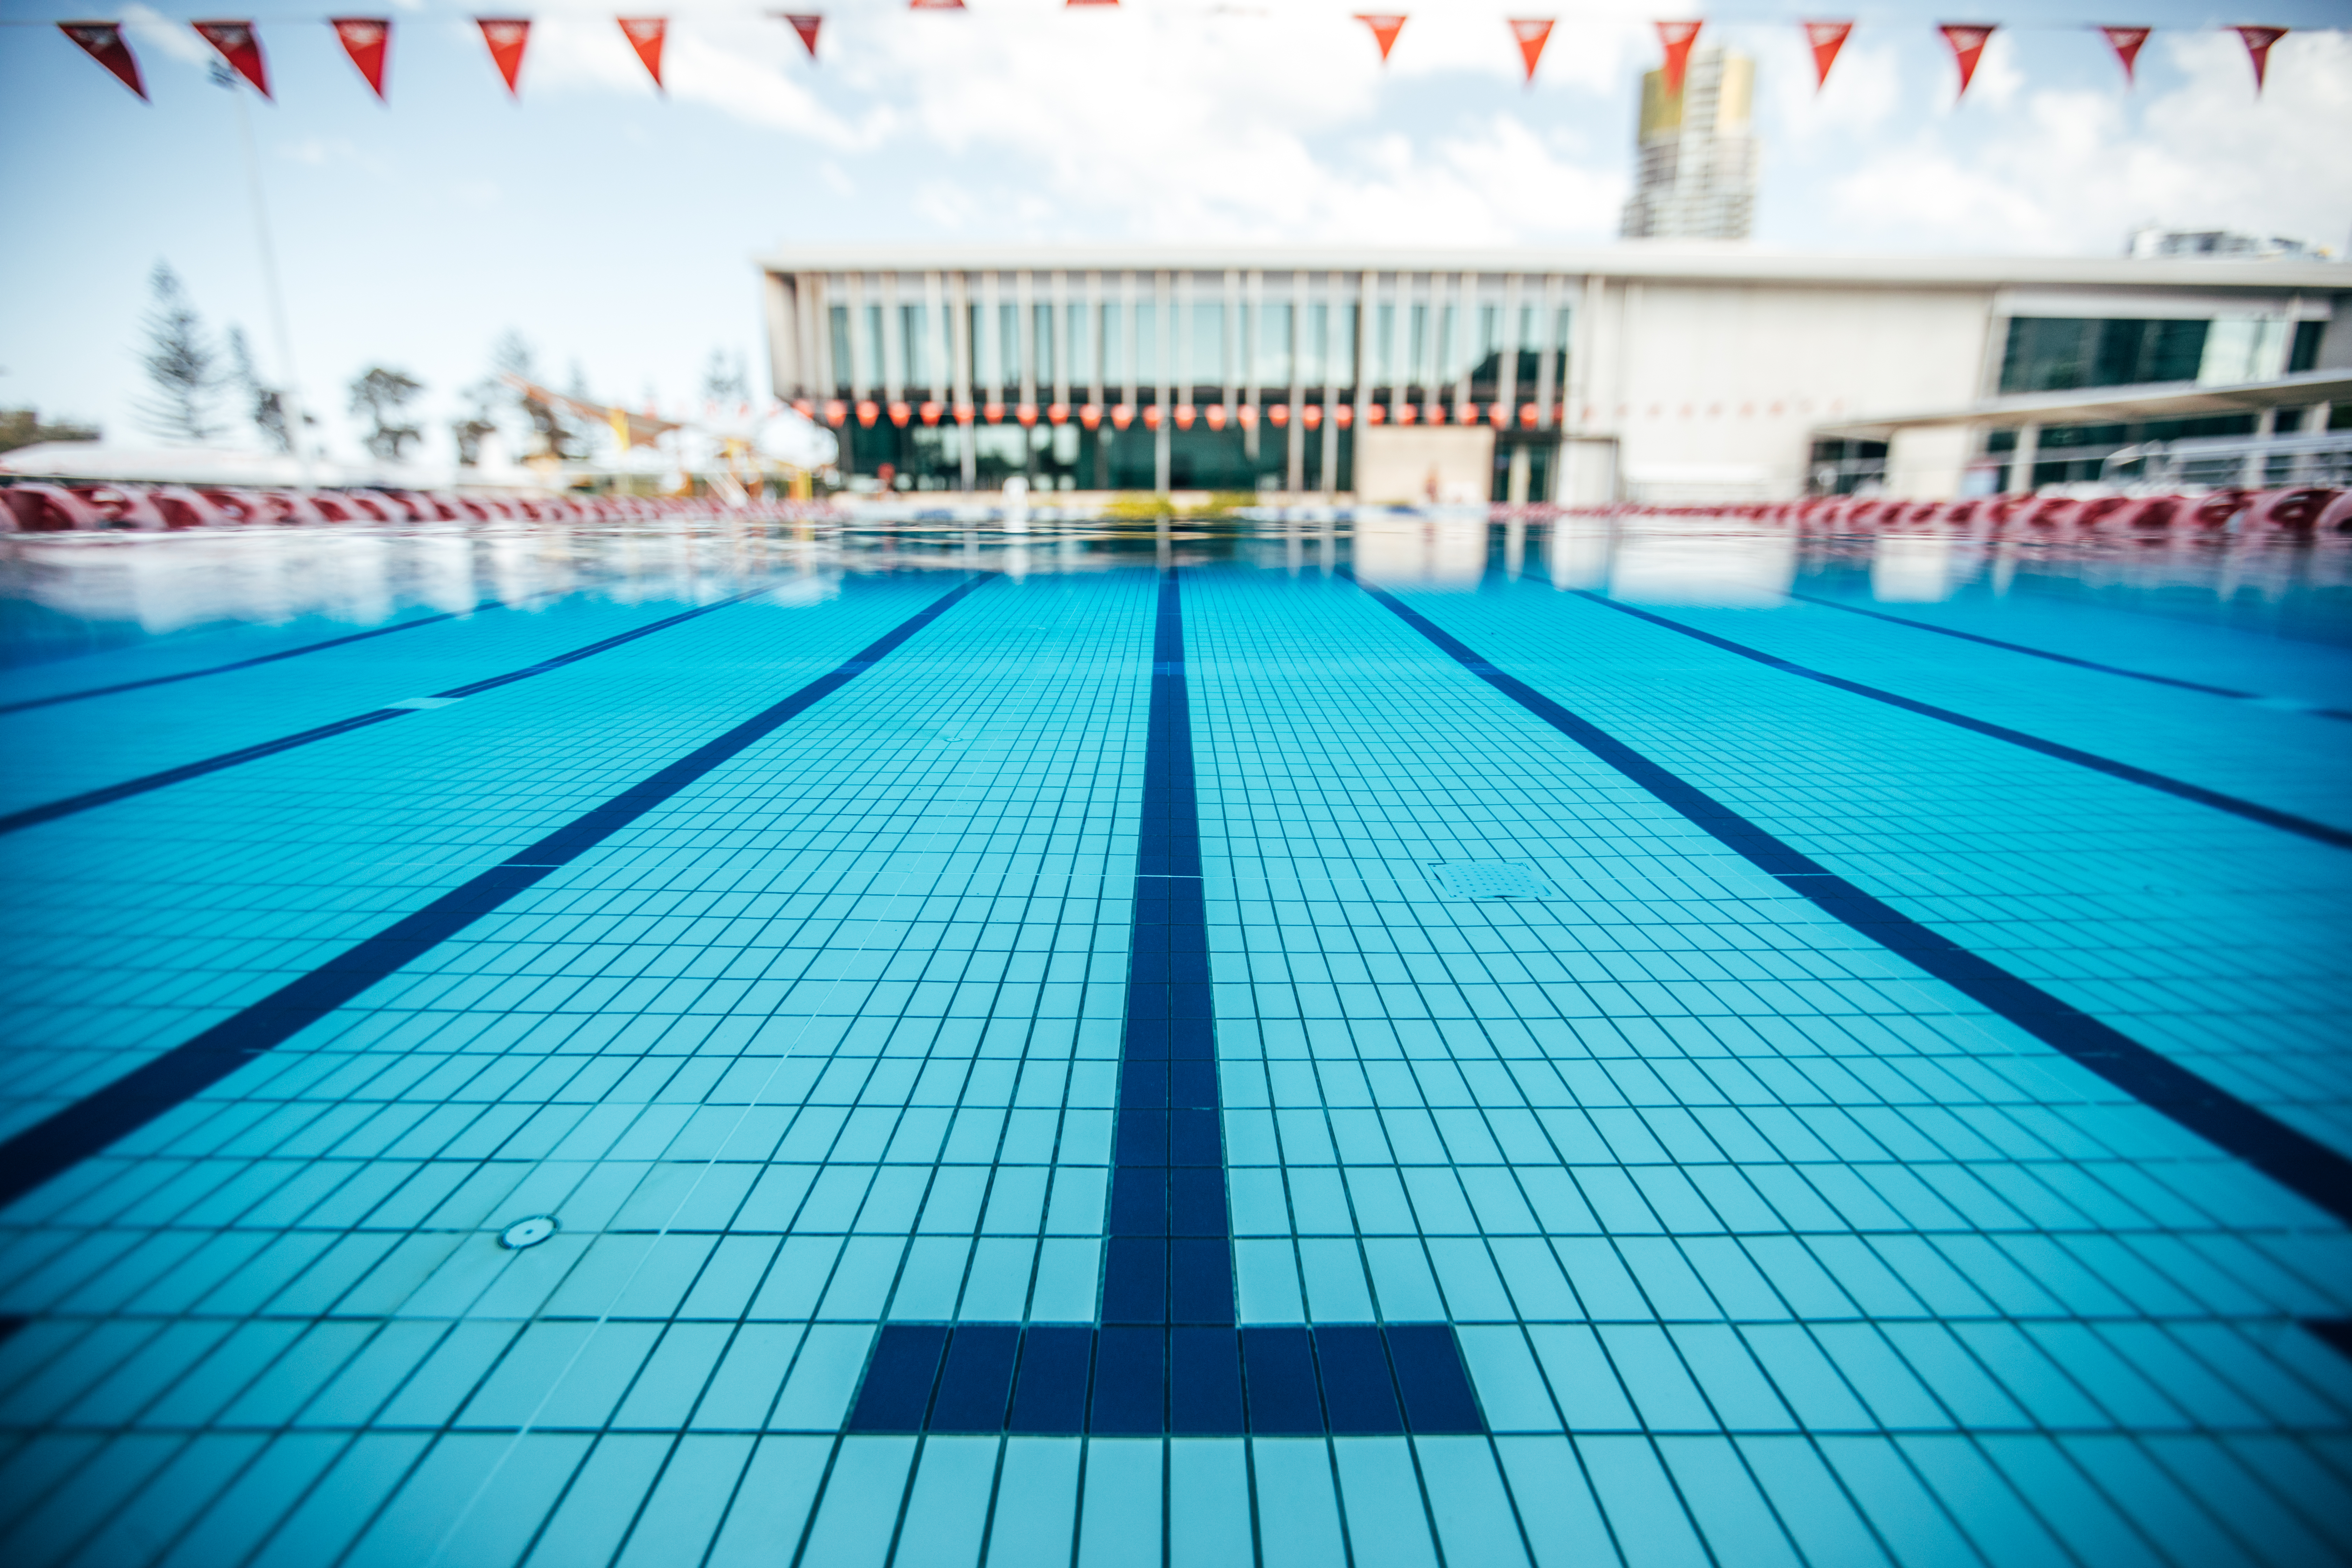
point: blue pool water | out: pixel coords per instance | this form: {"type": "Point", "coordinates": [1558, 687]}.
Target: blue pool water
{"type": "Point", "coordinates": [1403, 1041]}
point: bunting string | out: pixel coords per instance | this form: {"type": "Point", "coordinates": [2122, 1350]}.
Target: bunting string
{"type": "Point", "coordinates": [368, 41]}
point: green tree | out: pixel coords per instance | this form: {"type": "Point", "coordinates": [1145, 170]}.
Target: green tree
{"type": "Point", "coordinates": [382, 397]}
{"type": "Point", "coordinates": [265, 405]}
{"type": "Point", "coordinates": [183, 367]}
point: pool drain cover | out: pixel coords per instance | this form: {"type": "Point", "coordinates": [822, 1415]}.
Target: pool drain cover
{"type": "Point", "coordinates": [527, 1232]}
{"type": "Point", "coordinates": [1490, 879]}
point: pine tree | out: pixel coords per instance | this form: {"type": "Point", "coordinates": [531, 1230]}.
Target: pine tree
{"type": "Point", "coordinates": [182, 366]}
{"type": "Point", "coordinates": [265, 405]}
{"type": "Point", "coordinates": [384, 396]}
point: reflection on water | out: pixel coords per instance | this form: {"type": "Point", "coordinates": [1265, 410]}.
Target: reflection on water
{"type": "Point", "coordinates": [64, 593]}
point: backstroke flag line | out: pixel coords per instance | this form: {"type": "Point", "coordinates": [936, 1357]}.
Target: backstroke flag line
{"type": "Point", "coordinates": [368, 40]}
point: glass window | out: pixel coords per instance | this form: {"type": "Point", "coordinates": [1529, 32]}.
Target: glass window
{"type": "Point", "coordinates": [2241, 350]}
{"type": "Point", "coordinates": [915, 345]}
{"type": "Point", "coordinates": [1084, 371]}
{"type": "Point", "coordinates": [1008, 326]}
{"type": "Point", "coordinates": [1449, 345]}
{"type": "Point", "coordinates": [1381, 349]}
{"type": "Point", "coordinates": [869, 345]}
{"type": "Point", "coordinates": [2052, 354]}
{"type": "Point", "coordinates": [1208, 363]}
{"type": "Point", "coordinates": [1339, 363]}
{"type": "Point", "coordinates": [1314, 343]}
{"type": "Point", "coordinates": [2304, 355]}
{"type": "Point", "coordinates": [1146, 343]}
{"type": "Point", "coordinates": [1048, 367]}
{"type": "Point", "coordinates": [844, 362]}
{"type": "Point", "coordinates": [1559, 353]}
{"type": "Point", "coordinates": [1113, 346]}
{"type": "Point", "coordinates": [1273, 345]}
{"type": "Point", "coordinates": [1417, 349]}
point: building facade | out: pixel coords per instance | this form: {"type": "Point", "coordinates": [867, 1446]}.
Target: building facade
{"type": "Point", "coordinates": [1647, 373]}
{"type": "Point", "coordinates": [1694, 154]}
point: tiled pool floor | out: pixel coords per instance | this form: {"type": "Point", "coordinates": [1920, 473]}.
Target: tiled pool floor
{"type": "Point", "coordinates": [1006, 1035]}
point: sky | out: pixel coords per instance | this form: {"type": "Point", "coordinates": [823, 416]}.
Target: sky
{"type": "Point", "coordinates": [616, 227]}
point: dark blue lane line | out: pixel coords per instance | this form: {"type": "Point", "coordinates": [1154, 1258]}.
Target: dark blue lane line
{"type": "Point", "coordinates": [2286, 821]}
{"type": "Point", "coordinates": [2293, 1158]}
{"type": "Point", "coordinates": [32, 815]}
{"type": "Point", "coordinates": [147, 1091]}
{"type": "Point", "coordinates": [242, 663]}
{"type": "Point", "coordinates": [1165, 1354]}
{"type": "Point", "coordinates": [2033, 652]}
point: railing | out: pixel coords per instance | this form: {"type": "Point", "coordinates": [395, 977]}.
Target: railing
{"type": "Point", "coordinates": [2242, 462]}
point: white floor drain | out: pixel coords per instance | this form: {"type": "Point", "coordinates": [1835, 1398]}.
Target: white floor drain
{"type": "Point", "coordinates": [528, 1232]}
{"type": "Point", "coordinates": [1490, 879]}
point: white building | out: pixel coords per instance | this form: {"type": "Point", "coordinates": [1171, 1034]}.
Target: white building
{"type": "Point", "coordinates": [1695, 157]}
{"type": "Point", "coordinates": [1638, 372]}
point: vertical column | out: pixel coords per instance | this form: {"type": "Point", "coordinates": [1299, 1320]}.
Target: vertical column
{"type": "Point", "coordinates": [1465, 345]}
{"type": "Point", "coordinates": [2020, 461]}
{"type": "Point", "coordinates": [820, 310]}
{"type": "Point", "coordinates": [1293, 479]}
{"type": "Point", "coordinates": [893, 351]}
{"type": "Point", "coordinates": [1254, 348]}
{"type": "Point", "coordinates": [1430, 362]}
{"type": "Point", "coordinates": [1236, 374]}
{"type": "Point", "coordinates": [1368, 299]}
{"type": "Point", "coordinates": [1163, 320]}
{"type": "Point", "coordinates": [1506, 373]}
{"type": "Point", "coordinates": [959, 335]}
{"type": "Point", "coordinates": [860, 372]}
{"type": "Point", "coordinates": [1128, 334]}
{"type": "Point", "coordinates": [937, 335]}
{"type": "Point", "coordinates": [1549, 390]}
{"type": "Point", "coordinates": [1025, 331]}
{"type": "Point", "coordinates": [988, 344]}
{"type": "Point", "coordinates": [1334, 303]}
{"type": "Point", "coordinates": [1063, 346]}
{"type": "Point", "coordinates": [1399, 349]}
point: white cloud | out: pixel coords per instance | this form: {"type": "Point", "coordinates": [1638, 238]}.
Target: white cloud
{"type": "Point", "coordinates": [149, 29]}
{"type": "Point", "coordinates": [2072, 170]}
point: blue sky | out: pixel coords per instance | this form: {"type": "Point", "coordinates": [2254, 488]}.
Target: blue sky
{"type": "Point", "coordinates": [615, 228]}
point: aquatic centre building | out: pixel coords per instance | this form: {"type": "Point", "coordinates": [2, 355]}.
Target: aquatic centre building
{"type": "Point", "coordinates": [1638, 372]}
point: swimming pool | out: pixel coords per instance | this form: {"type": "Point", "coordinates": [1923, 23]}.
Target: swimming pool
{"type": "Point", "coordinates": [1395, 1041]}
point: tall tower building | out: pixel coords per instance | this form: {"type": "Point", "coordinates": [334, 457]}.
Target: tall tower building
{"type": "Point", "coordinates": [1697, 173]}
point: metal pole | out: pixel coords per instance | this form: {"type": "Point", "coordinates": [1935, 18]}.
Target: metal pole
{"type": "Point", "coordinates": [291, 397]}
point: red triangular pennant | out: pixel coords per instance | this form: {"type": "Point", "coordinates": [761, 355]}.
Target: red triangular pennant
{"type": "Point", "coordinates": [935, 5]}
{"type": "Point", "coordinates": [1825, 40]}
{"type": "Point", "coordinates": [805, 26]}
{"type": "Point", "coordinates": [102, 41]}
{"type": "Point", "coordinates": [365, 38]}
{"type": "Point", "coordinates": [2258, 44]}
{"type": "Point", "coordinates": [1068, 3]}
{"type": "Point", "coordinates": [645, 35]}
{"type": "Point", "coordinates": [1532, 33]}
{"type": "Point", "coordinates": [1967, 41]}
{"type": "Point", "coordinates": [1385, 29]}
{"type": "Point", "coordinates": [239, 46]}
{"type": "Point", "coordinates": [507, 35]}
{"type": "Point", "coordinates": [2126, 42]}
{"type": "Point", "coordinates": [1677, 38]}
